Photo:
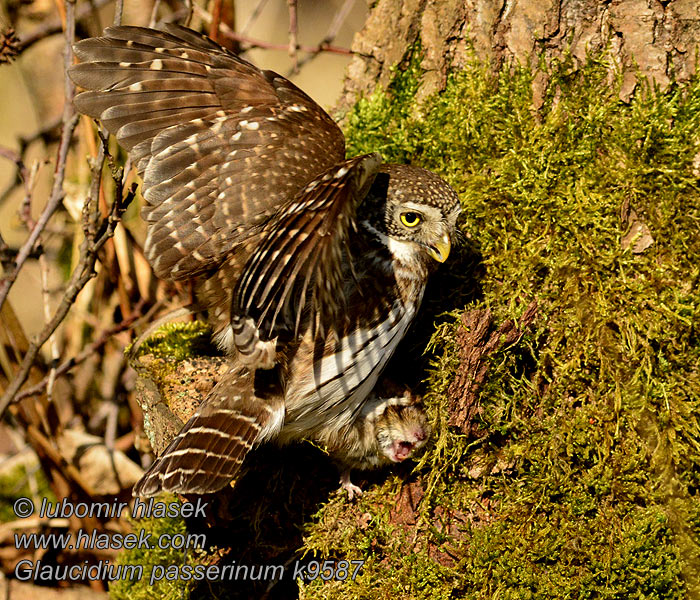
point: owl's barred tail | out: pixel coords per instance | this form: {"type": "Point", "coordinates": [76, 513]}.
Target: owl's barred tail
{"type": "Point", "coordinates": [209, 450]}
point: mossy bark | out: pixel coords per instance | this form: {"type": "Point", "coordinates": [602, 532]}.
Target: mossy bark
{"type": "Point", "coordinates": [579, 473]}
{"type": "Point", "coordinates": [640, 38]}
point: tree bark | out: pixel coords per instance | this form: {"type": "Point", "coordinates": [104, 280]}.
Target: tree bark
{"type": "Point", "coordinates": [641, 38]}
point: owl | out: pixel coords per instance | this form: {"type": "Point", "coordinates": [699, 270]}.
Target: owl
{"type": "Point", "coordinates": [311, 266]}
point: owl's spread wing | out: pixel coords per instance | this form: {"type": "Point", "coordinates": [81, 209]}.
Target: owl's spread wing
{"type": "Point", "coordinates": [220, 144]}
{"type": "Point", "coordinates": [303, 250]}
{"type": "Point", "coordinates": [209, 450]}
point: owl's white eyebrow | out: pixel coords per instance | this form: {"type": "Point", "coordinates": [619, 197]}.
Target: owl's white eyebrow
{"type": "Point", "coordinates": [429, 211]}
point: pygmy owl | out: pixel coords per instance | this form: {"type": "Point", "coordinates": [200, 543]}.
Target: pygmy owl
{"type": "Point", "coordinates": [311, 266]}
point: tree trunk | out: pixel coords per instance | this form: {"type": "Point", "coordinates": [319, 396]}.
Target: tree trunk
{"type": "Point", "coordinates": [648, 38]}
{"type": "Point", "coordinates": [565, 455]}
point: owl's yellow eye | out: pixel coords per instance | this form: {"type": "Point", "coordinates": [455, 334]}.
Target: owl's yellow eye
{"type": "Point", "coordinates": [411, 219]}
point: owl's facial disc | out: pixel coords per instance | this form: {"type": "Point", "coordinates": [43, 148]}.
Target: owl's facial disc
{"type": "Point", "coordinates": [425, 226]}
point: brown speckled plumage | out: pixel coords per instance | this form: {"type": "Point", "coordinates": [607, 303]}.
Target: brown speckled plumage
{"type": "Point", "coordinates": [310, 265]}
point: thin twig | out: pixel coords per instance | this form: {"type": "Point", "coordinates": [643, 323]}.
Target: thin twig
{"type": "Point", "coordinates": [154, 14]}
{"type": "Point", "coordinates": [293, 41]}
{"type": "Point", "coordinates": [25, 211]}
{"type": "Point", "coordinates": [15, 157]}
{"type": "Point", "coordinates": [70, 120]}
{"type": "Point", "coordinates": [253, 16]}
{"type": "Point", "coordinates": [190, 11]}
{"type": "Point", "coordinates": [54, 26]}
{"type": "Point", "coordinates": [331, 34]}
{"type": "Point", "coordinates": [82, 274]}
{"type": "Point", "coordinates": [55, 354]}
{"type": "Point", "coordinates": [27, 177]}
{"type": "Point", "coordinates": [95, 236]}
{"type": "Point", "coordinates": [338, 21]}
{"type": "Point", "coordinates": [89, 351]}
{"type": "Point", "coordinates": [215, 21]}
{"type": "Point", "coordinates": [257, 43]}
{"type": "Point", "coordinates": [47, 133]}
{"type": "Point", "coordinates": [118, 10]}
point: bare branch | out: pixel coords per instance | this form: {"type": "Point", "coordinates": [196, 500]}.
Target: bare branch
{"type": "Point", "coordinates": [70, 120]}
{"type": "Point", "coordinates": [10, 154]}
{"type": "Point", "coordinates": [47, 133]}
{"type": "Point", "coordinates": [90, 350]}
{"type": "Point", "coordinates": [55, 353]}
{"type": "Point", "coordinates": [253, 16]}
{"type": "Point", "coordinates": [338, 21]}
{"type": "Point", "coordinates": [96, 234]}
{"type": "Point", "coordinates": [25, 211]}
{"type": "Point", "coordinates": [154, 14]}
{"type": "Point", "coordinates": [118, 11]}
{"type": "Point", "coordinates": [293, 41]}
{"type": "Point", "coordinates": [54, 26]}
{"type": "Point", "coordinates": [82, 274]}
{"type": "Point", "coordinates": [215, 21]}
{"type": "Point", "coordinates": [250, 42]}
{"type": "Point", "coordinates": [331, 34]}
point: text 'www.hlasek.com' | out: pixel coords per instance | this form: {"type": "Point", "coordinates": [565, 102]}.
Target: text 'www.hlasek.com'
{"type": "Point", "coordinates": [108, 570]}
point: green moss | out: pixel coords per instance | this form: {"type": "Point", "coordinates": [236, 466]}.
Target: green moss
{"type": "Point", "coordinates": [381, 122]}
{"type": "Point", "coordinates": [178, 341]}
{"type": "Point", "coordinates": [586, 482]}
{"type": "Point", "coordinates": [592, 431]}
{"type": "Point", "coordinates": [14, 484]}
{"type": "Point", "coordinates": [163, 587]}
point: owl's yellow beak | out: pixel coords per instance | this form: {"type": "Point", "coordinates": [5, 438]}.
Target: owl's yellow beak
{"type": "Point", "coordinates": [441, 250]}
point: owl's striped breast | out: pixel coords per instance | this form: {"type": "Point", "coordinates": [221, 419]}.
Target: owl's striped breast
{"type": "Point", "coordinates": [334, 388]}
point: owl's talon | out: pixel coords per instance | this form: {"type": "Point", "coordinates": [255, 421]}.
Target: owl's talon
{"type": "Point", "coordinates": [349, 486]}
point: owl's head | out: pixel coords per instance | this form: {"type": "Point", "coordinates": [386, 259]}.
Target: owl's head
{"type": "Point", "coordinates": [413, 211]}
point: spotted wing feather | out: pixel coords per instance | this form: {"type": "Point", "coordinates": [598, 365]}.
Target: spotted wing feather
{"type": "Point", "coordinates": [302, 251]}
{"type": "Point", "coordinates": [220, 144]}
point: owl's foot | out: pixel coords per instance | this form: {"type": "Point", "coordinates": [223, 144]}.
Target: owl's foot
{"type": "Point", "coordinates": [349, 486]}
